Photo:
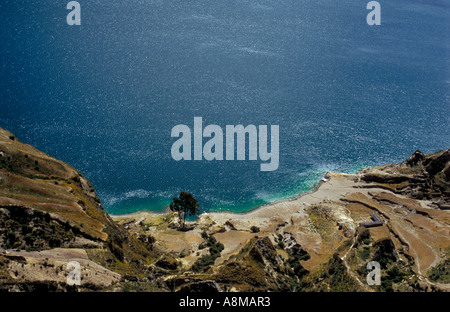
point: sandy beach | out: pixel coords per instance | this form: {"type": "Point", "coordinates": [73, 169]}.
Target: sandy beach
{"type": "Point", "coordinates": [334, 181]}
{"type": "Point", "coordinates": [320, 221]}
{"type": "Point", "coordinates": [234, 229]}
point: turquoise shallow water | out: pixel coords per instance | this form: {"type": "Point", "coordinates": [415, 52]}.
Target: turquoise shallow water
{"type": "Point", "coordinates": [104, 96]}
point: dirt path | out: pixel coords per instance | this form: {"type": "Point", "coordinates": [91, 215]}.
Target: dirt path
{"type": "Point", "coordinates": [352, 274]}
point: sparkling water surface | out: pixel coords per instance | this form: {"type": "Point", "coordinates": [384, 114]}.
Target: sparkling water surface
{"type": "Point", "coordinates": [105, 95]}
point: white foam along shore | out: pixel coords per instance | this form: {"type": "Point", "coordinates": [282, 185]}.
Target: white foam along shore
{"type": "Point", "coordinates": [167, 209]}
{"type": "Point", "coordinates": [335, 186]}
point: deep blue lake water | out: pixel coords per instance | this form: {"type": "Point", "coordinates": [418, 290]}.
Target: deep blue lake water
{"type": "Point", "coordinates": [105, 95]}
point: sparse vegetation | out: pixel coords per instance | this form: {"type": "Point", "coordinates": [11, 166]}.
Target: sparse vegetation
{"type": "Point", "coordinates": [215, 248]}
{"type": "Point", "coordinates": [321, 220]}
{"type": "Point", "coordinates": [37, 185]}
{"type": "Point", "coordinates": [441, 272]}
{"type": "Point", "coordinates": [392, 276]}
{"type": "Point", "coordinates": [364, 254]}
{"type": "Point", "coordinates": [333, 277]}
{"type": "Point", "coordinates": [364, 237]}
{"type": "Point", "coordinates": [23, 229]}
{"type": "Point", "coordinates": [384, 252]}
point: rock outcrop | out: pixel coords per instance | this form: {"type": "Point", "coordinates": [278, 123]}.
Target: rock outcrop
{"type": "Point", "coordinates": [46, 205]}
{"type": "Point", "coordinates": [420, 176]}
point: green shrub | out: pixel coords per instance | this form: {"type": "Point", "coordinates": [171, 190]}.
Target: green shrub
{"type": "Point", "coordinates": [254, 229]}
{"type": "Point", "coordinates": [364, 237]}
{"type": "Point", "coordinates": [29, 239]}
{"type": "Point", "coordinates": [385, 252]}
{"type": "Point", "coordinates": [365, 253]}
{"type": "Point", "coordinates": [215, 248]}
{"type": "Point", "coordinates": [441, 272]}
{"type": "Point", "coordinates": [203, 262]}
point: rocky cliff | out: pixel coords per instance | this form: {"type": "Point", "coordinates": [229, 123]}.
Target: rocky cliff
{"type": "Point", "coordinates": [50, 216]}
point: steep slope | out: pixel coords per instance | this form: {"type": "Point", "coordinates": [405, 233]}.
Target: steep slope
{"type": "Point", "coordinates": [410, 239]}
{"type": "Point", "coordinates": [45, 205]}
{"type": "Point", "coordinates": [34, 180]}
{"type": "Point", "coordinates": [50, 216]}
{"type": "Point", "coordinates": [420, 176]}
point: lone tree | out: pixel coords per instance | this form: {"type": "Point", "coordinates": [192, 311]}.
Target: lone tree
{"type": "Point", "coordinates": [185, 205]}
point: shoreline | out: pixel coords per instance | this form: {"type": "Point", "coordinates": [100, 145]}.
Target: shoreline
{"type": "Point", "coordinates": [235, 230]}
{"type": "Point", "coordinates": [281, 200]}
{"type": "Point", "coordinates": [331, 177]}
{"type": "Point", "coordinates": [294, 197]}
